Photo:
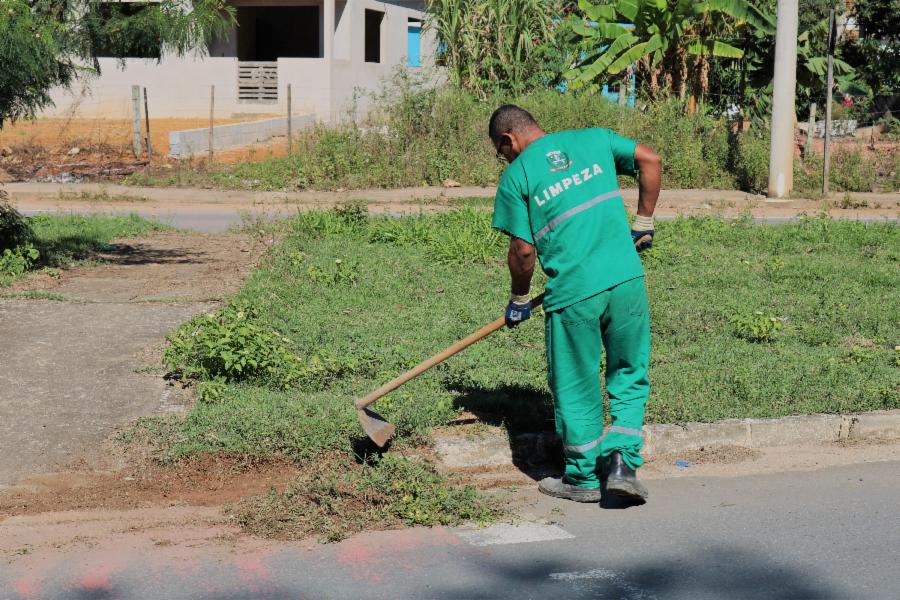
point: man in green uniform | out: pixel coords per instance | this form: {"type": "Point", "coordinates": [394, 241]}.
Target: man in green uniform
{"type": "Point", "coordinates": [559, 202]}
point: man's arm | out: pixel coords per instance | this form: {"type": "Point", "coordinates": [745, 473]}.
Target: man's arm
{"type": "Point", "coordinates": [521, 258]}
{"type": "Point", "coordinates": [649, 167]}
{"type": "Point", "coordinates": [521, 265]}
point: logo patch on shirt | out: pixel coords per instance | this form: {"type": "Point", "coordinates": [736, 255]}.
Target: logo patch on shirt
{"type": "Point", "coordinates": [558, 161]}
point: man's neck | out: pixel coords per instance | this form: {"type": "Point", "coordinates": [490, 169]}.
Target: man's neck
{"type": "Point", "coordinates": [533, 135]}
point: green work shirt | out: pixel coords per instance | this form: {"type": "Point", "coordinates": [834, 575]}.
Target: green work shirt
{"type": "Point", "coordinates": [562, 196]}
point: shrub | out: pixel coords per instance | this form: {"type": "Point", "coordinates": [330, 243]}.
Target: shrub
{"type": "Point", "coordinates": [15, 262]}
{"type": "Point", "coordinates": [890, 127]}
{"type": "Point", "coordinates": [850, 172]}
{"type": "Point", "coordinates": [749, 161]}
{"type": "Point", "coordinates": [233, 344]}
{"type": "Point", "coordinates": [14, 229]}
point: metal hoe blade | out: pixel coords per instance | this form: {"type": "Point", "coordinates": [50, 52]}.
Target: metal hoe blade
{"type": "Point", "coordinates": [375, 426]}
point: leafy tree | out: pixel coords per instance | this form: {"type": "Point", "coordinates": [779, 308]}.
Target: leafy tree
{"type": "Point", "coordinates": [50, 43]}
{"type": "Point", "coordinates": [670, 41]}
{"type": "Point", "coordinates": [876, 52]}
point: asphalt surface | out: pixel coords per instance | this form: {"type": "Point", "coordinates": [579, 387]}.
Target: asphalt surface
{"type": "Point", "coordinates": [828, 534]}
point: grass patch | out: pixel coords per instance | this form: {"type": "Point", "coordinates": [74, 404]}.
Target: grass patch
{"type": "Point", "coordinates": [339, 496]}
{"type": "Point", "coordinates": [35, 295]}
{"type": "Point", "coordinates": [59, 240]}
{"type": "Point", "coordinates": [100, 196]}
{"type": "Point", "coordinates": [747, 320]}
{"type": "Point", "coordinates": [63, 238]}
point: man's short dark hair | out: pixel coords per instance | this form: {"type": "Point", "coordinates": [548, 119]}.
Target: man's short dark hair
{"type": "Point", "coordinates": [507, 119]}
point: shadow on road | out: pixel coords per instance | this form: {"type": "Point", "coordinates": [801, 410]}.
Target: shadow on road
{"type": "Point", "coordinates": [714, 573]}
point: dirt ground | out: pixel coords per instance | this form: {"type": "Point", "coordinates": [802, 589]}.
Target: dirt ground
{"type": "Point", "coordinates": [133, 480]}
{"type": "Point", "coordinates": [82, 368]}
{"type": "Point", "coordinates": [49, 148]}
{"type": "Point", "coordinates": [167, 267]}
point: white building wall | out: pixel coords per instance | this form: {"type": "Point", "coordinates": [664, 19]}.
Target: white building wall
{"type": "Point", "coordinates": [355, 77]}
{"type": "Point", "coordinates": [180, 87]}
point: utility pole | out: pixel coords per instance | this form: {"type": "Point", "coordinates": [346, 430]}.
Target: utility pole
{"type": "Point", "coordinates": [829, 88]}
{"type": "Point", "coordinates": [781, 151]}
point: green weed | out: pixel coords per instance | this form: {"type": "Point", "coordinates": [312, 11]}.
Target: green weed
{"type": "Point", "coordinates": [233, 345]}
{"type": "Point", "coordinates": [338, 497]}
{"type": "Point", "coordinates": [455, 237]}
{"type": "Point", "coordinates": [756, 326]}
{"type": "Point", "coordinates": [339, 273]}
{"type": "Point", "coordinates": [15, 262]}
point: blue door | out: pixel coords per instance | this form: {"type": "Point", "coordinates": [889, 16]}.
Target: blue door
{"type": "Point", "coordinates": [414, 44]}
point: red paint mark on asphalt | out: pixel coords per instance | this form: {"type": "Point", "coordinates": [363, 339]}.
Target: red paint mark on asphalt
{"type": "Point", "coordinates": [369, 556]}
{"type": "Point", "coordinates": [96, 579]}
{"type": "Point", "coordinates": [252, 566]}
{"type": "Point", "coordinates": [28, 586]}
{"type": "Point", "coordinates": [98, 567]}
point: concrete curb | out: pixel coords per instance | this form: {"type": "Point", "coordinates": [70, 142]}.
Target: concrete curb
{"type": "Point", "coordinates": [466, 451]}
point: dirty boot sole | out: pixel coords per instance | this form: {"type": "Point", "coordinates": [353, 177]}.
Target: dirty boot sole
{"type": "Point", "coordinates": [558, 489]}
{"type": "Point", "coordinates": [626, 488]}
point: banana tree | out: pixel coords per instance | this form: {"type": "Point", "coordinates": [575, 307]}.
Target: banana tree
{"type": "Point", "coordinates": [670, 42]}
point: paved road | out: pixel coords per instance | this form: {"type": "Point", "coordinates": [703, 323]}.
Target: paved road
{"type": "Point", "coordinates": [828, 534]}
{"type": "Point", "coordinates": [207, 221]}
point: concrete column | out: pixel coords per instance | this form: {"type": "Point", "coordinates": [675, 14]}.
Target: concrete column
{"type": "Point", "coordinates": [781, 151]}
{"type": "Point", "coordinates": [328, 52]}
{"type": "Point", "coordinates": [328, 28]}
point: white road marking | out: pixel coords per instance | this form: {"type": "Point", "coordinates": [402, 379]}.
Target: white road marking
{"type": "Point", "coordinates": [519, 533]}
{"type": "Point", "coordinates": [624, 589]}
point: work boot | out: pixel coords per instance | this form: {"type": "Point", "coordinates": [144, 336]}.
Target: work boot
{"type": "Point", "coordinates": [558, 488]}
{"type": "Point", "coordinates": [622, 481]}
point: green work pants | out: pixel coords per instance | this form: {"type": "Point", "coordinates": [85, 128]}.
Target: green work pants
{"type": "Point", "coordinates": [619, 320]}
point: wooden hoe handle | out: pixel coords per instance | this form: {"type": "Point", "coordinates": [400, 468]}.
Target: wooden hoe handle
{"type": "Point", "coordinates": [438, 358]}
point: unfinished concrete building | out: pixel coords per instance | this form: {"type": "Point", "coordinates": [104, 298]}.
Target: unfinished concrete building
{"type": "Point", "coordinates": [327, 50]}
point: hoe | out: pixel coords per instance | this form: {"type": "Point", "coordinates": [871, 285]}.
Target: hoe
{"type": "Point", "coordinates": [375, 426]}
